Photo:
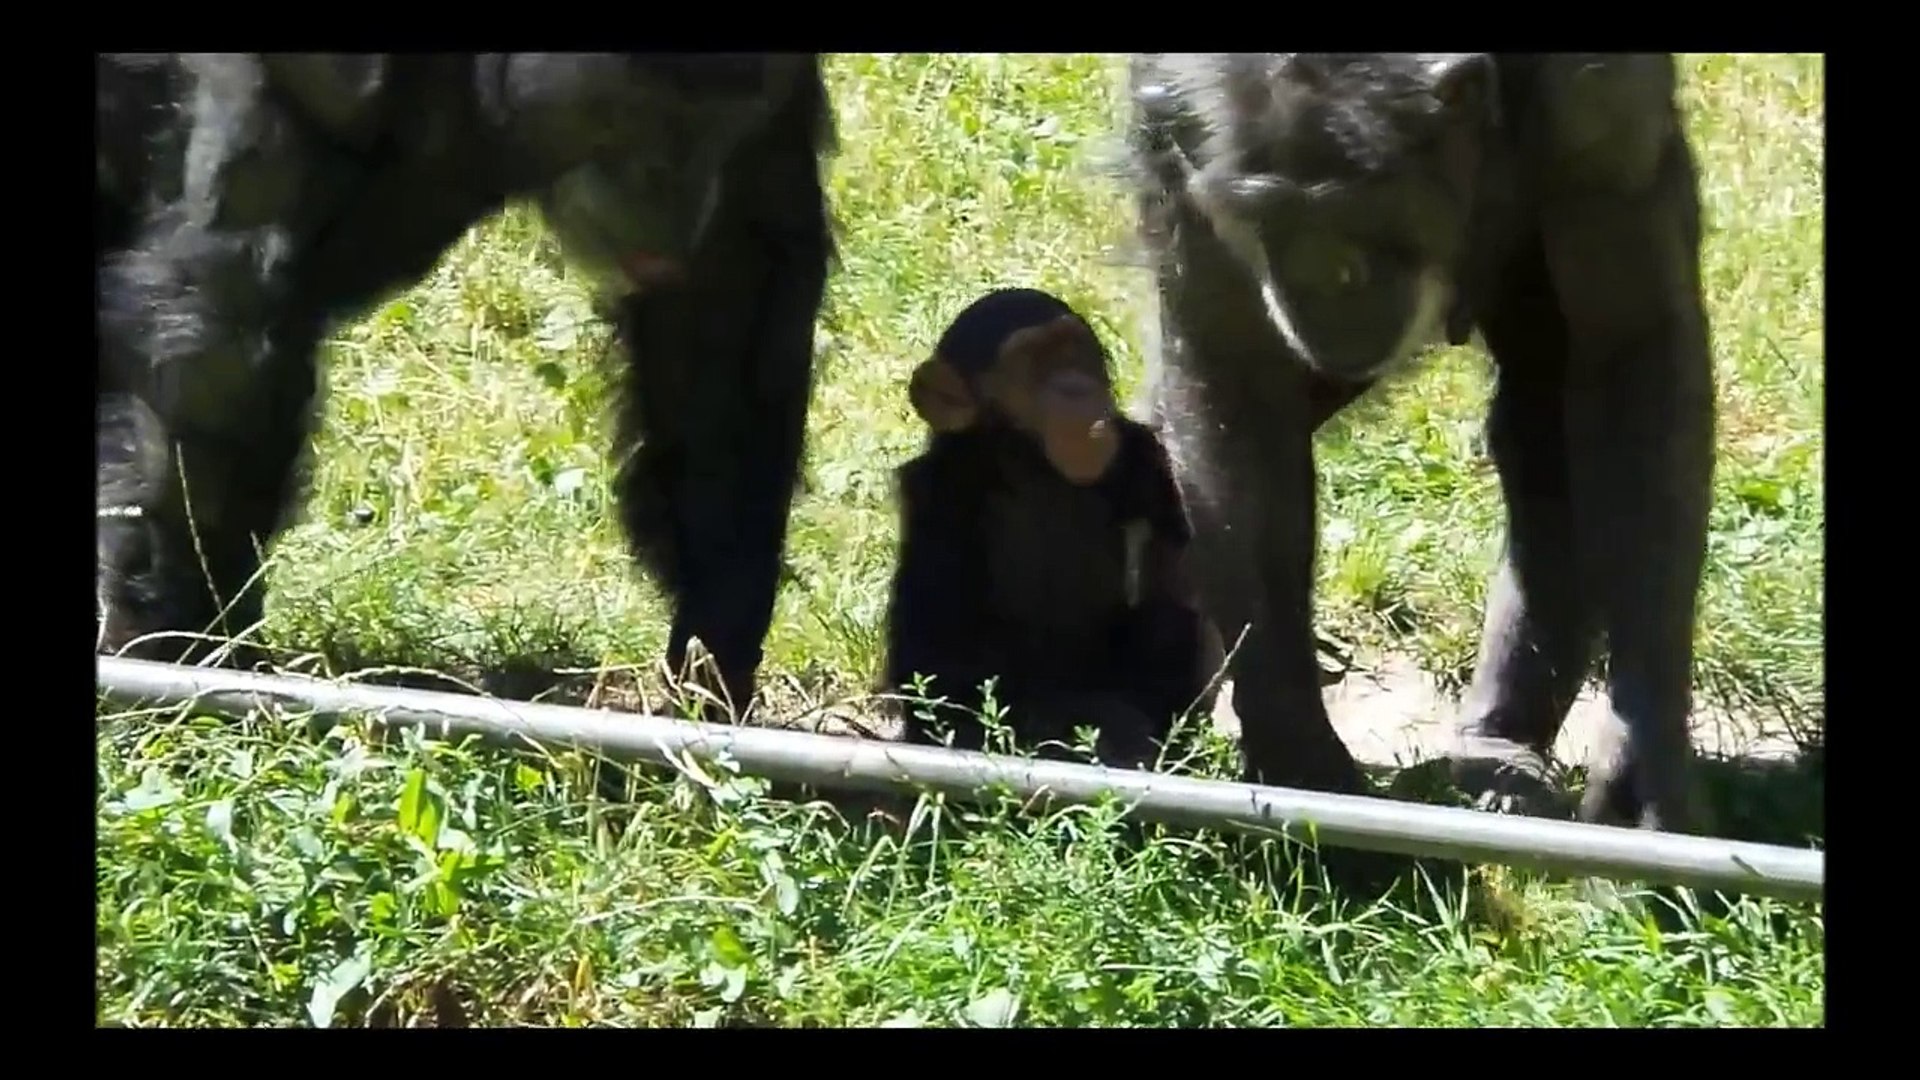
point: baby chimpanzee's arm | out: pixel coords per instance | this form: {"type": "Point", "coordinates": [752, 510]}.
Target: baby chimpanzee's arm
{"type": "Point", "coordinates": [938, 622]}
{"type": "Point", "coordinates": [1161, 639]}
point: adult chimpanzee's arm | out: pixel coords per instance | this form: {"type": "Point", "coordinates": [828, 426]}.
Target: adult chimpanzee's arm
{"type": "Point", "coordinates": [206, 343]}
{"type": "Point", "coordinates": [139, 141]}
{"type": "Point", "coordinates": [721, 367]}
{"type": "Point", "coordinates": [1620, 218]}
{"type": "Point", "coordinates": [939, 621]}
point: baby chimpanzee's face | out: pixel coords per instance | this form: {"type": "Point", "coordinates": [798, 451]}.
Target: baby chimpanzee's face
{"type": "Point", "coordinates": [1045, 381]}
{"type": "Point", "coordinates": [1052, 382]}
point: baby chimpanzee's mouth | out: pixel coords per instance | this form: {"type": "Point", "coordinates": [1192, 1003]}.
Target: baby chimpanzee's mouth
{"type": "Point", "coordinates": [648, 270]}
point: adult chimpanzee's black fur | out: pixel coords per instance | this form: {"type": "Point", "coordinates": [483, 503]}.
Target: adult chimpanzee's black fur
{"type": "Point", "coordinates": [249, 202]}
{"type": "Point", "coordinates": [1316, 218]}
{"type": "Point", "coordinates": [1070, 596]}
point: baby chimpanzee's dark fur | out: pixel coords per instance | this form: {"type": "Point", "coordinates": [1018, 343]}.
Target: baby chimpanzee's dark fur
{"type": "Point", "coordinates": [1041, 544]}
{"type": "Point", "coordinates": [246, 204]}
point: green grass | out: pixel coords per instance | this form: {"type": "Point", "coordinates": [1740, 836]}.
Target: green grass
{"type": "Point", "coordinates": [245, 874]}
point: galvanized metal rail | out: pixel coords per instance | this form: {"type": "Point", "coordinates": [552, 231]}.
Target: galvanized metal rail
{"type": "Point", "coordinates": [878, 766]}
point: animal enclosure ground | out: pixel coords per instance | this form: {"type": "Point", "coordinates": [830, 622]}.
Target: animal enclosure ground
{"type": "Point", "coordinates": [460, 522]}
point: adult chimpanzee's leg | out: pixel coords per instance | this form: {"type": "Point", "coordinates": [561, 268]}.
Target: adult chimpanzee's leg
{"type": "Point", "coordinates": [1537, 637]}
{"type": "Point", "coordinates": [1238, 415]}
{"type": "Point", "coordinates": [1621, 219]}
{"type": "Point", "coordinates": [714, 419]}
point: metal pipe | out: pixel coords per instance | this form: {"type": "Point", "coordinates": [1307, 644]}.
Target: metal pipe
{"type": "Point", "coordinates": [830, 761]}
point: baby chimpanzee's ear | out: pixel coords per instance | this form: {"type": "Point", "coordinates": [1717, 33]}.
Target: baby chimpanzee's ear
{"type": "Point", "coordinates": [941, 397]}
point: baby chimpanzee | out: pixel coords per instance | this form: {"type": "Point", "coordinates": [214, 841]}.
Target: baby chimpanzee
{"type": "Point", "coordinates": [1041, 543]}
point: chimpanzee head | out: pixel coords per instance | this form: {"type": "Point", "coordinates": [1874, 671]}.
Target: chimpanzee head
{"type": "Point", "coordinates": [1022, 364]}
{"type": "Point", "coordinates": [1344, 184]}
{"type": "Point", "coordinates": [627, 148]}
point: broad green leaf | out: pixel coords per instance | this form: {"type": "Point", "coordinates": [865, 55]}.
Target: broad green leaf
{"type": "Point", "coordinates": [442, 899]}
{"type": "Point", "coordinates": [398, 313]}
{"type": "Point", "coordinates": [383, 908]}
{"type": "Point", "coordinates": [727, 947]}
{"type": "Point", "coordinates": [220, 822]}
{"type": "Point", "coordinates": [786, 894]}
{"type": "Point", "coordinates": [307, 844]}
{"type": "Point", "coordinates": [735, 985]}
{"type": "Point", "coordinates": [995, 1009]}
{"type": "Point", "coordinates": [419, 809]}
{"type": "Point", "coordinates": [527, 778]}
{"type": "Point", "coordinates": [789, 979]}
{"type": "Point", "coordinates": [452, 839]}
{"type": "Point", "coordinates": [337, 983]}
{"type": "Point", "coordinates": [558, 332]}
{"type": "Point", "coordinates": [154, 790]}
{"type": "Point", "coordinates": [568, 482]}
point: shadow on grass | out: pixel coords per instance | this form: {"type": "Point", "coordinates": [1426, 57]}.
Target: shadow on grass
{"type": "Point", "coordinates": [559, 673]}
{"type": "Point", "coordinates": [1757, 799]}
{"type": "Point", "coordinates": [556, 675]}
{"type": "Point", "coordinates": [1768, 800]}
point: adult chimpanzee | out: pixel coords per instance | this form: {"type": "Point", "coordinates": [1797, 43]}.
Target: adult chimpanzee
{"type": "Point", "coordinates": [1041, 543]}
{"type": "Point", "coordinates": [249, 202]}
{"type": "Point", "coordinates": [1316, 219]}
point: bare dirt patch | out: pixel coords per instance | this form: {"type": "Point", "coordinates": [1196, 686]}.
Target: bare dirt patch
{"type": "Point", "coordinates": [1394, 714]}
{"type": "Point", "coordinates": [1390, 714]}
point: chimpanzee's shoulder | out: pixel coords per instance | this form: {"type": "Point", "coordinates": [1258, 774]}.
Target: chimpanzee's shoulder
{"type": "Point", "coordinates": [942, 466]}
{"type": "Point", "coordinates": [921, 469]}
{"type": "Point", "coordinates": [1141, 445]}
